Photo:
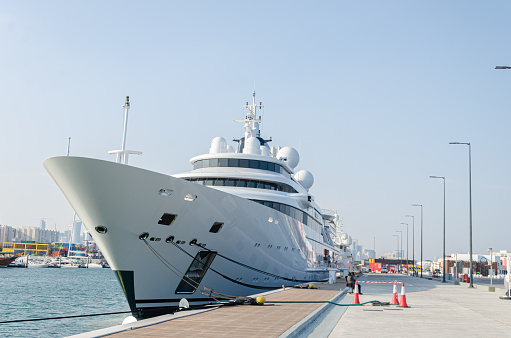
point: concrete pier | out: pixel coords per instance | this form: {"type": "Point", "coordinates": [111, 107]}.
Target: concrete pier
{"type": "Point", "coordinates": [435, 309]}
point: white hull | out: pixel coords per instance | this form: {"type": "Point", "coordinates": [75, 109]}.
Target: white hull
{"type": "Point", "coordinates": [125, 201]}
{"type": "Point", "coordinates": [36, 266]}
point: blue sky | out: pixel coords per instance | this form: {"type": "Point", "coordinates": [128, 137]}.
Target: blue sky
{"type": "Point", "coordinates": [371, 93]}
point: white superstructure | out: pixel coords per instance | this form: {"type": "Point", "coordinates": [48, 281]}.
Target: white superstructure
{"type": "Point", "coordinates": [240, 222]}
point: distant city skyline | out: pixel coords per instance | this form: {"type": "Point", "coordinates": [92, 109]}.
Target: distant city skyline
{"type": "Point", "coordinates": [369, 93]}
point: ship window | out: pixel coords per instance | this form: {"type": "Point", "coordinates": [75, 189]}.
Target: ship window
{"type": "Point", "coordinates": [208, 182]}
{"type": "Point", "coordinates": [198, 165]}
{"type": "Point", "coordinates": [167, 219]}
{"type": "Point", "coordinates": [213, 162]}
{"type": "Point", "coordinates": [205, 163]}
{"type": "Point", "coordinates": [101, 229]}
{"type": "Point", "coordinates": [242, 183]}
{"type": "Point", "coordinates": [223, 162]}
{"type": "Point", "coordinates": [244, 163]}
{"type": "Point", "coordinates": [271, 166]}
{"type": "Point", "coordinates": [304, 221]}
{"type": "Point", "coordinates": [254, 164]}
{"type": "Point", "coordinates": [230, 183]}
{"type": "Point", "coordinates": [215, 228]}
{"type": "Point", "coordinates": [219, 181]}
{"type": "Point", "coordinates": [233, 162]}
{"type": "Point", "coordinates": [263, 165]}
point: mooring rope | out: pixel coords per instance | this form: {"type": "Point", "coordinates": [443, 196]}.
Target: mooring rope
{"type": "Point", "coordinates": [64, 317]}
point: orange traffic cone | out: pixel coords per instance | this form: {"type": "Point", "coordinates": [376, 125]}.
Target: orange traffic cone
{"type": "Point", "coordinates": [394, 295]}
{"type": "Point", "coordinates": [403, 297]}
{"type": "Point", "coordinates": [355, 295]}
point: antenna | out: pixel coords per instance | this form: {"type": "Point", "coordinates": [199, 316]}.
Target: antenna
{"type": "Point", "coordinates": [122, 155]}
{"type": "Point", "coordinates": [68, 145]}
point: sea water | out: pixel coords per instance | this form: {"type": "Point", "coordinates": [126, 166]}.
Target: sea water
{"type": "Point", "coordinates": [46, 292]}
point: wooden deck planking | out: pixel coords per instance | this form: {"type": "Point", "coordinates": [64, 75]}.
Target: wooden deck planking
{"type": "Point", "coordinates": [240, 321]}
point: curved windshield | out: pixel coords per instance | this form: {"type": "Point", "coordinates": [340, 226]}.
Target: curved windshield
{"type": "Point", "coordinates": [241, 163]}
{"type": "Point", "coordinates": [238, 182]}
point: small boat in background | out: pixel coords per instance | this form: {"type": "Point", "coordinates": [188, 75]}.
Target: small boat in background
{"type": "Point", "coordinates": [6, 260]}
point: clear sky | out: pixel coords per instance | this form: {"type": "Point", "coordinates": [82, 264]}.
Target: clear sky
{"type": "Point", "coordinates": [369, 92]}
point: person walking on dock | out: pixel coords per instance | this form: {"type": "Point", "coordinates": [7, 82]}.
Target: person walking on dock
{"type": "Point", "coordinates": [351, 282]}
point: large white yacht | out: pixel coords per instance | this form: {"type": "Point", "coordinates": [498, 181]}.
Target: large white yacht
{"type": "Point", "coordinates": [241, 222]}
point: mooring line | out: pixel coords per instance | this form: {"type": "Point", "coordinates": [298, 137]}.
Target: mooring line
{"type": "Point", "coordinates": [65, 317]}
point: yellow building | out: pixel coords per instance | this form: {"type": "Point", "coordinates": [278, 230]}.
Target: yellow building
{"type": "Point", "coordinates": [31, 248]}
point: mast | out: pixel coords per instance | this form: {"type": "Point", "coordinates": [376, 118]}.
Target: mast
{"type": "Point", "coordinates": [122, 155]}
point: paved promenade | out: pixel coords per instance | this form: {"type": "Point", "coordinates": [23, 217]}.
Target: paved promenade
{"type": "Point", "coordinates": [436, 309]}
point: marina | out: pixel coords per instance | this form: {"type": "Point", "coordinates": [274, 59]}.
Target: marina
{"type": "Point", "coordinates": [267, 169]}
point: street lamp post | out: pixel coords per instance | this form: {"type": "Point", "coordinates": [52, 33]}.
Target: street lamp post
{"type": "Point", "coordinates": [401, 251]}
{"type": "Point", "coordinates": [374, 247]}
{"type": "Point", "coordinates": [413, 241]}
{"type": "Point", "coordinates": [491, 265]}
{"type": "Point", "coordinates": [407, 260]}
{"type": "Point", "coordinates": [397, 241]}
{"type": "Point", "coordinates": [443, 178]}
{"type": "Point", "coordinates": [420, 205]}
{"type": "Point", "coordinates": [470, 202]}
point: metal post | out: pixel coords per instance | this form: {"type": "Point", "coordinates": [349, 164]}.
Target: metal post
{"type": "Point", "coordinates": [420, 205]}
{"type": "Point", "coordinates": [443, 178]}
{"type": "Point", "coordinates": [470, 202]}
{"type": "Point", "coordinates": [400, 252]}
{"type": "Point", "coordinates": [397, 241]}
{"type": "Point", "coordinates": [407, 259]}
{"type": "Point", "coordinates": [470, 197]}
{"type": "Point", "coordinates": [413, 241]}
{"type": "Point", "coordinates": [456, 276]}
{"type": "Point", "coordinates": [491, 267]}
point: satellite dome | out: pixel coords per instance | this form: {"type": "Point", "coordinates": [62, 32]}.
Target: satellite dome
{"type": "Point", "coordinates": [305, 178]}
{"type": "Point", "coordinates": [265, 150]}
{"type": "Point", "coordinates": [252, 146]}
{"type": "Point", "coordinates": [346, 239]}
{"type": "Point", "coordinates": [289, 155]}
{"type": "Point", "coordinates": [218, 145]}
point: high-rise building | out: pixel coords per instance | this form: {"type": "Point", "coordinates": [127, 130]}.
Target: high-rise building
{"type": "Point", "coordinates": [42, 224]}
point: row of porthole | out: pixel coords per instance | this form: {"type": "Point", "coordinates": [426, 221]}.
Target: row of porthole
{"type": "Point", "coordinates": [278, 247]}
{"type": "Point", "coordinates": [256, 279]}
{"type": "Point", "coordinates": [169, 239]}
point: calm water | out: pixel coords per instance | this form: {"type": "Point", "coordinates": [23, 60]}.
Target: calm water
{"type": "Point", "coordinates": [40, 293]}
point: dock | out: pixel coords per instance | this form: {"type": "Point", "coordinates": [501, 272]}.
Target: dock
{"type": "Point", "coordinates": [435, 308]}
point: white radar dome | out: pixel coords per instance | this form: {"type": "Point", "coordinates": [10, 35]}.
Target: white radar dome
{"type": "Point", "coordinates": [252, 146]}
{"type": "Point", "coordinates": [305, 178]}
{"type": "Point", "coordinates": [218, 145]}
{"type": "Point", "coordinates": [265, 151]}
{"type": "Point", "coordinates": [289, 155]}
{"type": "Point", "coordinates": [346, 239]}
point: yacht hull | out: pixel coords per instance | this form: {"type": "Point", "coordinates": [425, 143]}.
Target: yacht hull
{"type": "Point", "coordinates": [256, 249]}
